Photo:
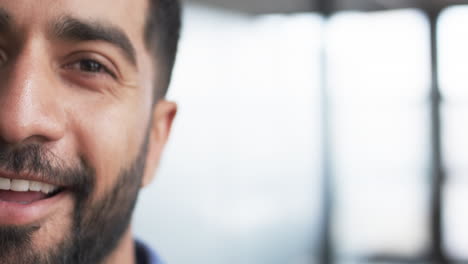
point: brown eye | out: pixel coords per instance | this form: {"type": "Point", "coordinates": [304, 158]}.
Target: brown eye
{"type": "Point", "coordinates": [91, 66]}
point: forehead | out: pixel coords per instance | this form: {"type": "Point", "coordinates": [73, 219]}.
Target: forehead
{"type": "Point", "coordinates": [35, 15]}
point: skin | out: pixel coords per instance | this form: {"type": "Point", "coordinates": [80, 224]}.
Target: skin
{"type": "Point", "coordinates": [48, 98]}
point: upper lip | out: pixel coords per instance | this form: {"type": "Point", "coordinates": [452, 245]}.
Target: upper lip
{"type": "Point", "coordinates": [28, 177]}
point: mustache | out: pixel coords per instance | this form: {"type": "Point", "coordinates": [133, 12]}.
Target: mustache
{"type": "Point", "coordinates": [36, 159]}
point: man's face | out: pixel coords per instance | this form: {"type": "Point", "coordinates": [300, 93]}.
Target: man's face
{"type": "Point", "coordinates": [76, 111]}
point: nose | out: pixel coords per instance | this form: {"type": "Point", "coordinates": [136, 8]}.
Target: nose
{"type": "Point", "coordinates": [29, 108]}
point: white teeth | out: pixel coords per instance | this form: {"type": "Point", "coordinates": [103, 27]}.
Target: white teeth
{"type": "Point", "coordinates": [35, 186]}
{"type": "Point", "coordinates": [47, 188]}
{"type": "Point", "coordinates": [19, 185]}
{"type": "Point", "coordinates": [24, 186]}
{"type": "Point", "coordinates": [5, 184]}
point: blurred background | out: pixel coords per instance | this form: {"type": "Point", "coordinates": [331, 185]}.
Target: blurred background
{"type": "Point", "coordinates": [315, 131]}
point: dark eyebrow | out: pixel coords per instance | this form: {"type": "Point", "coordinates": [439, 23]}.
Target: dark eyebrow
{"type": "Point", "coordinates": [70, 28]}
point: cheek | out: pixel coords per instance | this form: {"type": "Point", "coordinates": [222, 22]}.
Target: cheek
{"type": "Point", "coordinates": [108, 136]}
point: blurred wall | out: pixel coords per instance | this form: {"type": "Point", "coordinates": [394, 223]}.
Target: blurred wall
{"type": "Point", "coordinates": [240, 180]}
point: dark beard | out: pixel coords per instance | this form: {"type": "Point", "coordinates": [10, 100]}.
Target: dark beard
{"type": "Point", "coordinates": [97, 227]}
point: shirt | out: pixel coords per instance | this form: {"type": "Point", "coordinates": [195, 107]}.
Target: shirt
{"type": "Point", "coordinates": [146, 255]}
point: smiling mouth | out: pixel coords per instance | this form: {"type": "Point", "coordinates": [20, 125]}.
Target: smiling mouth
{"type": "Point", "coordinates": [26, 191]}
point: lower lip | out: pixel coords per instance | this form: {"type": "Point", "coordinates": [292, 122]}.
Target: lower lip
{"type": "Point", "coordinates": [17, 214]}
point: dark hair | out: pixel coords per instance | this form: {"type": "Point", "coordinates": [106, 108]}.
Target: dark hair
{"type": "Point", "coordinates": [162, 31]}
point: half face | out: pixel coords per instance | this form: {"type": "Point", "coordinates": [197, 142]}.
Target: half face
{"type": "Point", "coordinates": [77, 126]}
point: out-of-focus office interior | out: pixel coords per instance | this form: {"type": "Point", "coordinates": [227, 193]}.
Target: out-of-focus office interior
{"type": "Point", "coordinates": [315, 131]}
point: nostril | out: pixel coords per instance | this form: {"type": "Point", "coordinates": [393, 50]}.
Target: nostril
{"type": "Point", "coordinates": [35, 139]}
{"type": "Point", "coordinates": [13, 134]}
{"type": "Point", "coordinates": [29, 124]}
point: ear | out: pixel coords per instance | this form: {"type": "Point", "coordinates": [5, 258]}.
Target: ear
{"type": "Point", "coordinates": [164, 113]}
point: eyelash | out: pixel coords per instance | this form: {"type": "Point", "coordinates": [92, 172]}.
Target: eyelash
{"type": "Point", "coordinates": [91, 63]}
{"type": "Point", "coordinates": [94, 66]}
{"type": "Point", "coordinates": [100, 68]}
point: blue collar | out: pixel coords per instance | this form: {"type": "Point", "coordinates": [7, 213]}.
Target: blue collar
{"type": "Point", "coordinates": [146, 255]}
